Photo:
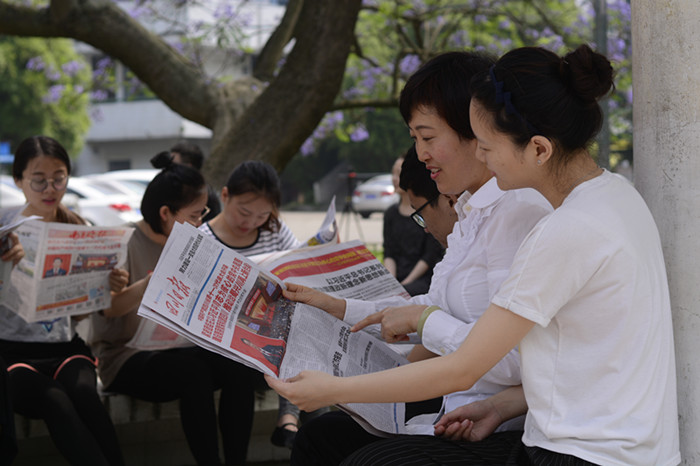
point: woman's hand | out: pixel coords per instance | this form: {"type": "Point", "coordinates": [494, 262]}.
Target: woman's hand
{"type": "Point", "coordinates": [310, 390]}
{"type": "Point", "coordinates": [16, 252]}
{"type": "Point", "coordinates": [478, 420]}
{"type": "Point", "coordinates": [471, 423]}
{"type": "Point", "coordinates": [118, 279]}
{"type": "Point", "coordinates": [396, 322]}
{"type": "Point", "coordinates": [315, 298]}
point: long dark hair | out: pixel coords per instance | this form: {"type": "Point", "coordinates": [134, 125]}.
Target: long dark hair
{"type": "Point", "coordinates": [176, 186]}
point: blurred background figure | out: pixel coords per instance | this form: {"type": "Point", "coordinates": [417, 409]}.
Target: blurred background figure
{"type": "Point", "coordinates": [410, 253]}
{"type": "Point", "coordinates": [190, 154]}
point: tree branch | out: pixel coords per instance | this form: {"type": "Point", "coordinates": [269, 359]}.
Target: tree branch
{"type": "Point", "coordinates": [108, 28]}
{"type": "Point", "coordinates": [274, 47]}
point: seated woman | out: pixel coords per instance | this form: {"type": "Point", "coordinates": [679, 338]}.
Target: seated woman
{"type": "Point", "coordinates": [249, 223]}
{"type": "Point", "coordinates": [51, 371]}
{"type": "Point", "coordinates": [191, 374]}
{"type": "Point", "coordinates": [586, 300]}
{"type": "Point", "coordinates": [490, 227]}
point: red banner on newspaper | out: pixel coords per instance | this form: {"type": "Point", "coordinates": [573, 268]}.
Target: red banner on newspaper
{"type": "Point", "coordinates": [328, 263]}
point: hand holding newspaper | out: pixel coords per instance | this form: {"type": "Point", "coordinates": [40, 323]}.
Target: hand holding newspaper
{"type": "Point", "coordinates": [224, 302]}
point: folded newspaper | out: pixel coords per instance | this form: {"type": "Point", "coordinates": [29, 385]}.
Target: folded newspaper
{"type": "Point", "coordinates": [151, 336]}
{"type": "Point", "coordinates": [65, 270]}
{"type": "Point", "coordinates": [228, 304]}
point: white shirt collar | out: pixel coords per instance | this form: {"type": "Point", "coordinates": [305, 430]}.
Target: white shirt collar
{"type": "Point", "coordinates": [485, 196]}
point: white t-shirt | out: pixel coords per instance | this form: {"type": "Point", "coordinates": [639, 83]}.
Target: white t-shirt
{"type": "Point", "coordinates": [598, 369]}
{"type": "Point", "coordinates": [491, 225]}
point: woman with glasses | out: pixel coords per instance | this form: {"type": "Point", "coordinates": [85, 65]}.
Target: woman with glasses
{"type": "Point", "coordinates": [190, 374]}
{"type": "Point", "coordinates": [490, 227]}
{"type": "Point", "coordinates": [410, 253]}
{"type": "Point", "coordinates": [249, 223]}
{"type": "Point", "coordinates": [51, 371]}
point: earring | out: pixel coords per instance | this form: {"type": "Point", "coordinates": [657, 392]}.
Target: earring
{"type": "Point", "coordinates": [539, 162]}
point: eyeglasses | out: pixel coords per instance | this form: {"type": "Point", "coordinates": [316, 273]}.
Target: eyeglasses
{"type": "Point", "coordinates": [205, 212]}
{"type": "Point", "coordinates": [417, 217]}
{"type": "Point", "coordinates": [59, 184]}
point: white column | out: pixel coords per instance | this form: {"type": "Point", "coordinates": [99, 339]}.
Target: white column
{"type": "Point", "coordinates": [666, 77]}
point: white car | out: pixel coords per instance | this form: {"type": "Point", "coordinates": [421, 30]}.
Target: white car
{"type": "Point", "coordinates": [127, 181]}
{"type": "Point", "coordinates": [101, 204]}
{"type": "Point", "coordinates": [374, 195]}
{"type": "Point", "coordinates": [10, 195]}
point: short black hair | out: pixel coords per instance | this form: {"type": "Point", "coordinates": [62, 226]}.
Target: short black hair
{"type": "Point", "coordinates": [416, 177]}
{"type": "Point", "coordinates": [261, 179]}
{"type": "Point", "coordinates": [443, 84]}
{"type": "Point", "coordinates": [190, 154]}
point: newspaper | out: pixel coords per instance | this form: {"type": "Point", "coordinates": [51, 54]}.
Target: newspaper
{"type": "Point", "coordinates": [228, 304]}
{"type": "Point", "coordinates": [65, 270]}
{"type": "Point", "coordinates": [151, 336]}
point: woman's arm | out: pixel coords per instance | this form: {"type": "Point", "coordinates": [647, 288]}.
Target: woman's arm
{"type": "Point", "coordinates": [494, 335]}
{"type": "Point", "coordinates": [417, 271]}
{"type": "Point", "coordinates": [315, 298]}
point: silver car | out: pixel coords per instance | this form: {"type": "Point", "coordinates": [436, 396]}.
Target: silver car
{"type": "Point", "coordinates": [374, 195]}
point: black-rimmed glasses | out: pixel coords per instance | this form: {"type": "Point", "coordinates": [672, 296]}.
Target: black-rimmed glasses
{"type": "Point", "coordinates": [417, 217]}
{"type": "Point", "coordinates": [205, 212]}
{"type": "Point", "coordinates": [38, 186]}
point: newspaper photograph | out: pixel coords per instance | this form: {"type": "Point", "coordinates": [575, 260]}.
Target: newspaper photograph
{"type": "Point", "coordinates": [65, 270]}
{"type": "Point", "coordinates": [226, 303]}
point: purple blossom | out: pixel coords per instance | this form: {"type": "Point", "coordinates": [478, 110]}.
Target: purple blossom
{"type": "Point", "coordinates": [99, 95]}
{"type": "Point", "coordinates": [504, 24]}
{"type": "Point", "coordinates": [478, 19]}
{"type": "Point", "coordinates": [409, 64]}
{"type": "Point", "coordinates": [224, 11]}
{"type": "Point", "coordinates": [36, 64]}
{"type": "Point", "coordinates": [54, 94]}
{"type": "Point", "coordinates": [52, 74]}
{"type": "Point", "coordinates": [308, 147]}
{"type": "Point", "coordinates": [359, 134]}
{"type": "Point", "coordinates": [72, 67]}
{"type": "Point", "coordinates": [629, 95]}
{"type": "Point", "coordinates": [78, 89]}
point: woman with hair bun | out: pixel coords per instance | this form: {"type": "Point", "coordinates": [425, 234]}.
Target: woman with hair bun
{"type": "Point", "coordinates": [191, 375]}
{"type": "Point", "coordinates": [586, 299]}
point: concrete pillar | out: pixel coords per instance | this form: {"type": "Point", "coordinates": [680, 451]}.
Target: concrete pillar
{"type": "Point", "coordinates": [666, 77]}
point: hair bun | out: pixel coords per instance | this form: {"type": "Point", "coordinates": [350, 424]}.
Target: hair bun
{"type": "Point", "coordinates": [162, 160]}
{"type": "Point", "coordinates": [588, 73]}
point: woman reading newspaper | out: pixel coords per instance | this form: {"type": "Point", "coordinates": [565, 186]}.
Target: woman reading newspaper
{"type": "Point", "coordinates": [188, 374]}
{"type": "Point", "coordinates": [249, 223]}
{"type": "Point", "coordinates": [586, 299]}
{"type": "Point", "coordinates": [51, 371]}
{"type": "Point", "coordinates": [491, 225]}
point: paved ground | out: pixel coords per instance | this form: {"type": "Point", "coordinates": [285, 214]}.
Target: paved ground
{"type": "Point", "coordinates": [351, 225]}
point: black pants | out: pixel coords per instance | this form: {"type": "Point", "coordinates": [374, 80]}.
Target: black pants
{"type": "Point", "coordinates": [335, 438]}
{"type": "Point", "coordinates": [191, 375]}
{"type": "Point", "coordinates": [77, 420]}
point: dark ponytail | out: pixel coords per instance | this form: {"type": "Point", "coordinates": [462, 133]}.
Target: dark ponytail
{"type": "Point", "coordinates": [176, 186]}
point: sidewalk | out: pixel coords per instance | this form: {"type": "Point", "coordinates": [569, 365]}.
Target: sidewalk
{"type": "Point", "coordinates": [350, 224]}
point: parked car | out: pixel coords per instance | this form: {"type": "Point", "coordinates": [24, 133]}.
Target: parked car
{"type": "Point", "coordinates": [127, 181]}
{"type": "Point", "coordinates": [10, 195]}
{"type": "Point", "coordinates": [100, 204]}
{"type": "Point", "coordinates": [374, 195]}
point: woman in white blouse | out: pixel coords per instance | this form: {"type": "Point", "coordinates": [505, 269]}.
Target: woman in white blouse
{"type": "Point", "coordinates": [491, 225]}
